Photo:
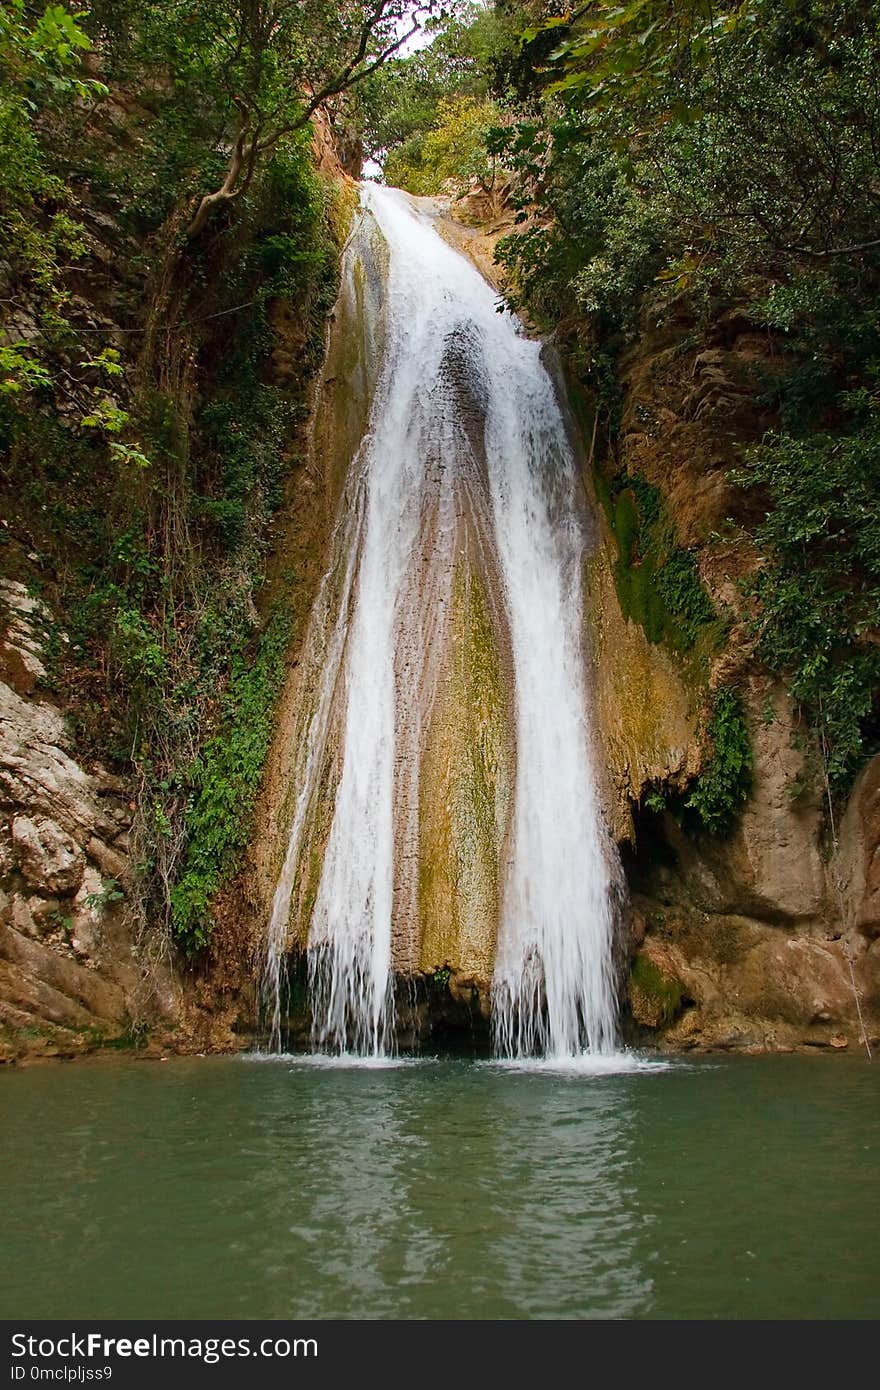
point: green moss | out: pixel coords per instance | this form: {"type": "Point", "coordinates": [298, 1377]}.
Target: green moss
{"type": "Point", "coordinates": [464, 791]}
{"type": "Point", "coordinates": [627, 528]}
{"type": "Point", "coordinates": [657, 582]}
{"type": "Point", "coordinates": [656, 998]}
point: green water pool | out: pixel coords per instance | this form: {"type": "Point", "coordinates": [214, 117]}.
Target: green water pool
{"type": "Point", "coordinates": [229, 1187]}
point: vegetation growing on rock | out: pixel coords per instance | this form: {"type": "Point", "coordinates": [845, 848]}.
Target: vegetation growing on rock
{"type": "Point", "coordinates": [707, 167]}
{"type": "Point", "coordinates": [682, 183]}
{"type": "Point", "coordinates": [656, 995]}
{"type": "Point", "coordinates": [170, 260]}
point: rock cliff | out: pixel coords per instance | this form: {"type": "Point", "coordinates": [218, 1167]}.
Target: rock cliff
{"type": "Point", "coordinates": [70, 975]}
{"type": "Point", "coordinates": [763, 935]}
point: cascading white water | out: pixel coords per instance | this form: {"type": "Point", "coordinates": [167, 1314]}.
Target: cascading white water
{"type": "Point", "coordinates": [553, 988]}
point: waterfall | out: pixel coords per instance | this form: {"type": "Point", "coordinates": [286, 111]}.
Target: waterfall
{"type": "Point", "coordinates": [465, 419]}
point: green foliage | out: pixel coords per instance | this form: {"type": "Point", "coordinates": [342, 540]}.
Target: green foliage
{"type": "Point", "coordinates": [672, 162]}
{"type": "Point", "coordinates": [40, 76]}
{"type": "Point", "coordinates": [401, 101]}
{"type": "Point", "coordinates": [818, 590]}
{"type": "Point", "coordinates": [148, 491]}
{"type": "Point", "coordinates": [683, 149]}
{"type": "Point", "coordinates": [607, 241]}
{"type": "Point", "coordinates": [725, 780]}
{"type": "Point", "coordinates": [110, 893]}
{"type": "Point", "coordinates": [682, 592]}
{"type": "Point", "coordinates": [225, 780]}
{"type": "Point", "coordinates": [623, 53]}
{"type": "Point", "coordinates": [238, 79]}
{"type": "Point", "coordinates": [20, 371]}
{"type": "Point", "coordinates": [452, 152]}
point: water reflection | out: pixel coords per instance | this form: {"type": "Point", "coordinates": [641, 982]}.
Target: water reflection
{"type": "Point", "coordinates": [443, 1193]}
{"type": "Point", "coordinates": [225, 1188]}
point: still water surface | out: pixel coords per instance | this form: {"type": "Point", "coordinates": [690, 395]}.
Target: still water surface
{"type": "Point", "coordinates": [238, 1188]}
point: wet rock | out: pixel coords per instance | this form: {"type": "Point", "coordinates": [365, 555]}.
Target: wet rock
{"type": "Point", "coordinates": [637, 928]}
{"type": "Point", "coordinates": [750, 983]}
{"type": "Point", "coordinates": [646, 722]}
{"type": "Point", "coordinates": [796, 979]}
{"type": "Point", "coordinates": [655, 990]}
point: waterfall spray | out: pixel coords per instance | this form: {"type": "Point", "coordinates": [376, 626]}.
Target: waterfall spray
{"type": "Point", "coordinates": [447, 343]}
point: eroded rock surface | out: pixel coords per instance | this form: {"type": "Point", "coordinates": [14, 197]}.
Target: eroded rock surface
{"type": "Point", "coordinates": [766, 936]}
{"type": "Point", "coordinates": [68, 973]}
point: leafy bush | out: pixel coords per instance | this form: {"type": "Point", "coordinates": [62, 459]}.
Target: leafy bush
{"type": "Point", "coordinates": [225, 780]}
{"type": "Point", "coordinates": [818, 590]}
{"type": "Point", "coordinates": [725, 780]}
{"type": "Point", "coordinates": [452, 152]}
{"type": "Point", "coordinates": [673, 163]}
{"type": "Point", "coordinates": [656, 996]}
{"type": "Point", "coordinates": [148, 490]}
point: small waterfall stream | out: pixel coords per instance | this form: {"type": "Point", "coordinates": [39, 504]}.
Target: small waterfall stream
{"type": "Point", "coordinates": [466, 439]}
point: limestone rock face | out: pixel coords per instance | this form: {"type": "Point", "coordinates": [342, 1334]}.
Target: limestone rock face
{"type": "Point", "coordinates": [860, 851]}
{"type": "Point", "coordinates": [770, 867]}
{"type": "Point", "coordinates": [49, 859]}
{"type": "Point", "coordinates": [465, 801]}
{"type": "Point", "coordinates": [646, 723]}
{"type": "Point", "coordinates": [770, 935]}
{"type": "Point", "coordinates": [745, 985]}
{"type": "Point", "coordinates": [68, 975]}
{"type": "Point", "coordinates": [20, 647]}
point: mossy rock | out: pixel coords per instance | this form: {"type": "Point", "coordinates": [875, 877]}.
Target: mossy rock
{"type": "Point", "coordinates": [658, 582]}
{"type": "Point", "coordinates": [656, 995]}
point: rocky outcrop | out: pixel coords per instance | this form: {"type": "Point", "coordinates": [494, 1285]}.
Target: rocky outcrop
{"type": "Point", "coordinates": [646, 717]}
{"type": "Point", "coordinates": [770, 866]}
{"type": "Point", "coordinates": [711, 982]}
{"type": "Point", "coordinates": [765, 937]}
{"type": "Point", "coordinates": [858, 864]}
{"type": "Point", "coordinates": [337, 149]}
{"type": "Point", "coordinates": [69, 976]}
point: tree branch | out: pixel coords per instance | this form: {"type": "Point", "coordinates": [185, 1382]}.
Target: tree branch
{"type": "Point", "coordinates": [227, 187]}
{"type": "Point", "coordinates": [342, 83]}
{"type": "Point", "coordinates": [251, 144]}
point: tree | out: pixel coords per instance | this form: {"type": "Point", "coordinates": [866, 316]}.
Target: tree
{"type": "Point", "coordinates": [281, 60]}
{"type": "Point", "coordinates": [40, 74]}
{"type": "Point", "coordinates": [452, 151]}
